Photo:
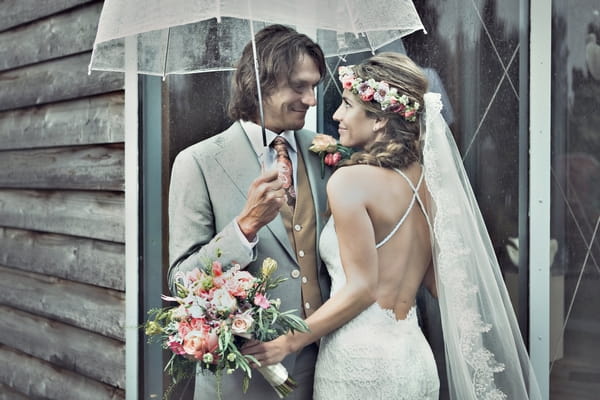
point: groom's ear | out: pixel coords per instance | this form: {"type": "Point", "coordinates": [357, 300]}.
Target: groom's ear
{"type": "Point", "coordinates": [380, 123]}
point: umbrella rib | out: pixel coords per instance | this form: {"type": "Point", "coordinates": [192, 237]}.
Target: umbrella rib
{"type": "Point", "coordinates": [355, 31]}
{"type": "Point", "coordinates": [166, 53]}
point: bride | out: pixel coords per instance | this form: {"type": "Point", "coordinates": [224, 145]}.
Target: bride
{"type": "Point", "coordinates": [403, 215]}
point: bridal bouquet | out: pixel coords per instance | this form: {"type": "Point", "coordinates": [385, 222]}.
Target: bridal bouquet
{"type": "Point", "coordinates": [217, 310]}
{"type": "Point", "coordinates": [330, 151]}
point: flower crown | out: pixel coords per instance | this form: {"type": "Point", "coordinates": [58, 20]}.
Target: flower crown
{"type": "Point", "coordinates": [380, 92]}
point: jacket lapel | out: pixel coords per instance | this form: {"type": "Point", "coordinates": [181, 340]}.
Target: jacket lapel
{"type": "Point", "coordinates": [234, 149]}
{"type": "Point", "coordinates": [317, 183]}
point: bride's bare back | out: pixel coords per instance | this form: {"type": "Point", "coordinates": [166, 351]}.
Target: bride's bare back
{"type": "Point", "coordinates": [405, 258]}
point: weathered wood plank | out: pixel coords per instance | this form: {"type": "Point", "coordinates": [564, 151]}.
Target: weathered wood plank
{"type": "Point", "coordinates": [80, 167]}
{"type": "Point", "coordinates": [64, 346]}
{"type": "Point", "coordinates": [89, 307]}
{"type": "Point", "coordinates": [95, 262]}
{"type": "Point", "coordinates": [8, 393]}
{"type": "Point", "coordinates": [63, 79]}
{"type": "Point", "coordinates": [41, 380]}
{"type": "Point", "coordinates": [64, 34]}
{"type": "Point", "coordinates": [97, 215]}
{"type": "Point", "coordinates": [91, 120]}
{"type": "Point", "coordinates": [17, 12]}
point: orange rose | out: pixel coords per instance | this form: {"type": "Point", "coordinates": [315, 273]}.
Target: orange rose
{"type": "Point", "coordinates": [323, 142]}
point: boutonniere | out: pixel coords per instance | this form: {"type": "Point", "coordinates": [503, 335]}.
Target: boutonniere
{"type": "Point", "coordinates": [330, 151]}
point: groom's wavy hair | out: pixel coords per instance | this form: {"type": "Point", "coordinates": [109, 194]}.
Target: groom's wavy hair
{"type": "Point", "coordinates": [400, 144]}
{"type": "Point", "coordinates": [279, 48]}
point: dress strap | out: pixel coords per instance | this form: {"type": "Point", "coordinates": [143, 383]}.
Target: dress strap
{"type": "Point", "coordinates": [415, 197]}
{"type": "Point", "coordinates": [416, 191]}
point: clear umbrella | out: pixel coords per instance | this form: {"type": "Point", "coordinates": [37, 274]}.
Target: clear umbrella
{"type": "Point", "coordinates": [191, 36]}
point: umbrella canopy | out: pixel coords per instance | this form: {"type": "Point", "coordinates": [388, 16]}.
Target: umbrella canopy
{"type": "Point", "coordinates": [190, 36]}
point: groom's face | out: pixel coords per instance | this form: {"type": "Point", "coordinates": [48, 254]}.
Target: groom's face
{"type": "Point", "coordinates": [285, 108]}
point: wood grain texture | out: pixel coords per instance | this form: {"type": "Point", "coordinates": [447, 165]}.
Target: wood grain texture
{"type": "Point", "coordinates": [65, 346]}
{"type": "Point", "coordinates": [82, 167]}
{"type": "Point", "coordinates": [93, 120]}
{"type": "Point", "coordinates": [41, 380]}
{"type": "Point", "coordinates": [8, 393]}
{"type": "Point", "coordinates": [63, 79]}
{"type": "Point", "coordinates": [17, 12]}
{"type": "Point", "coordinates": [97, 215]}
{"type": "Point", "coordinates": [83, 260]}
{"type": "Point", "coordinates": [61, 35]}
{"type": "Point", "coordinates": [96, 309]}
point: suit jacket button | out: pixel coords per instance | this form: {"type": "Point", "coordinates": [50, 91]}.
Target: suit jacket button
{"type": "Point", "coordinates": [295, 273]}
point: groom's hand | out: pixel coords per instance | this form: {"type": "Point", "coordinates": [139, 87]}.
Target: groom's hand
{"type": "Point", "coordinates": [265, 198]}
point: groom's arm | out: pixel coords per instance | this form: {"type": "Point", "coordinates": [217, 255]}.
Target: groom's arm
{"type": "Point", "coordinates": [193, 236]}
{"type": "Point", "coordinates": [194, 239]}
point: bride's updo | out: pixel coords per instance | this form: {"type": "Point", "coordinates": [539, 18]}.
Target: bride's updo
{"type": "Point", "coordinates": [399, 146]}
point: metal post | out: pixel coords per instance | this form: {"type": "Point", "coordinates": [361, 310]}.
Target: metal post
{"type": "Point", "coordinates": [539, 200]}
{"type": "Point", "coordinates": [131, 220]}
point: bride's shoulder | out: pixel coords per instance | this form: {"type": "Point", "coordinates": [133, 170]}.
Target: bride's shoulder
{"type": "Point", "coordinates": [352, 172]}
{"type": "Point", "coordinates": [352, 180]}
{"type": "Point", "coordinates": [356, 171]}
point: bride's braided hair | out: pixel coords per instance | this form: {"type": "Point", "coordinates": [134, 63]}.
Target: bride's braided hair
{"type": "Point", "coordinates": [399, 146]}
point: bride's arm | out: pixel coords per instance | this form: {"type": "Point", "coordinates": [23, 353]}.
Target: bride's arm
{"type": "Point", "coordinates": [348, 203]}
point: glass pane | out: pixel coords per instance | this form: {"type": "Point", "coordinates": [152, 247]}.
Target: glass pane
{"type": "Point", "coordinates": [471, 56]}
{"type": "Point", "coordinates": [575, 298]}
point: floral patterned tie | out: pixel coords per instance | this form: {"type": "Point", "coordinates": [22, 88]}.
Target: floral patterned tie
{"type": "Point", "coordinates": [284, 166]}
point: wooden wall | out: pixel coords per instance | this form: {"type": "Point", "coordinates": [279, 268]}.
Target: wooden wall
{"type": "Point", "coordinates": [62, 262]}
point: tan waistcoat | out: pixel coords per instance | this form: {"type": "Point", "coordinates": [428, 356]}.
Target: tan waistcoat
{"type": "Point", "coordinates": [301, 228]}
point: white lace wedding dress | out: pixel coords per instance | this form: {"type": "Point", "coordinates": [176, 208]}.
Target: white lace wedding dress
{"type": "Point", "coordinates": [373, 356]}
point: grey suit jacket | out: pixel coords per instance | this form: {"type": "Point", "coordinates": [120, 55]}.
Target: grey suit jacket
{"type": "Point", "coordinates": [208, 189]}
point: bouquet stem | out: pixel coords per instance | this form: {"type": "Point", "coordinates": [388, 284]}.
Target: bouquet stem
{"type": "Point", "coordinates": [279, 379]}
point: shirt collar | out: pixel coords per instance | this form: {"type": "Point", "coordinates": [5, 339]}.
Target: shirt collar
{"type": "Point", "coordinates": [254, 133]}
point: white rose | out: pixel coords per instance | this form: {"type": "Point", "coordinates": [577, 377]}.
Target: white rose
{"type": "Point", "coordinates": [179, 312]}
{"type": "Point", "coordinates": [223, 301]}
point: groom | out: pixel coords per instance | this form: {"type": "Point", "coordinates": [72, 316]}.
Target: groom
{"type": "Point", "coordinates": [220, 199]}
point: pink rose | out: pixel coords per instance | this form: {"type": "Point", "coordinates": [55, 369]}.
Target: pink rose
{"type": "Point", "coordinates": [261, 301]}
{"type": "Point", "coordinates": [239, 284]}
{"type": "Point", "coordinates": [347, 83]}
{"type": "Point", "coordinates": [396, 107]}
{"type": "Point", "coordinates": [332, 159]}
{"type": "Point", "coordinates": [217, 269]}
{"type": "Point", "coordinates": [183, 328]}
{"type": "Point", "coordinates": [242, 323]}
{"type": "Point", "coordinates": [197, 324]}
{"type": "Point", "coordinates": [196, 343]}
{"type": "Point", "coordinates": [367, 94]}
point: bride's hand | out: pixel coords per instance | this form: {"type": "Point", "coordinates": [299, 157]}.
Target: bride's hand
{"type": "Point", "coordinates": [268, 353]}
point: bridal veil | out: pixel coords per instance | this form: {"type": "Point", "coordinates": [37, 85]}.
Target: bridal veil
{"type": "Point", "coordinates": [485, 354]}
